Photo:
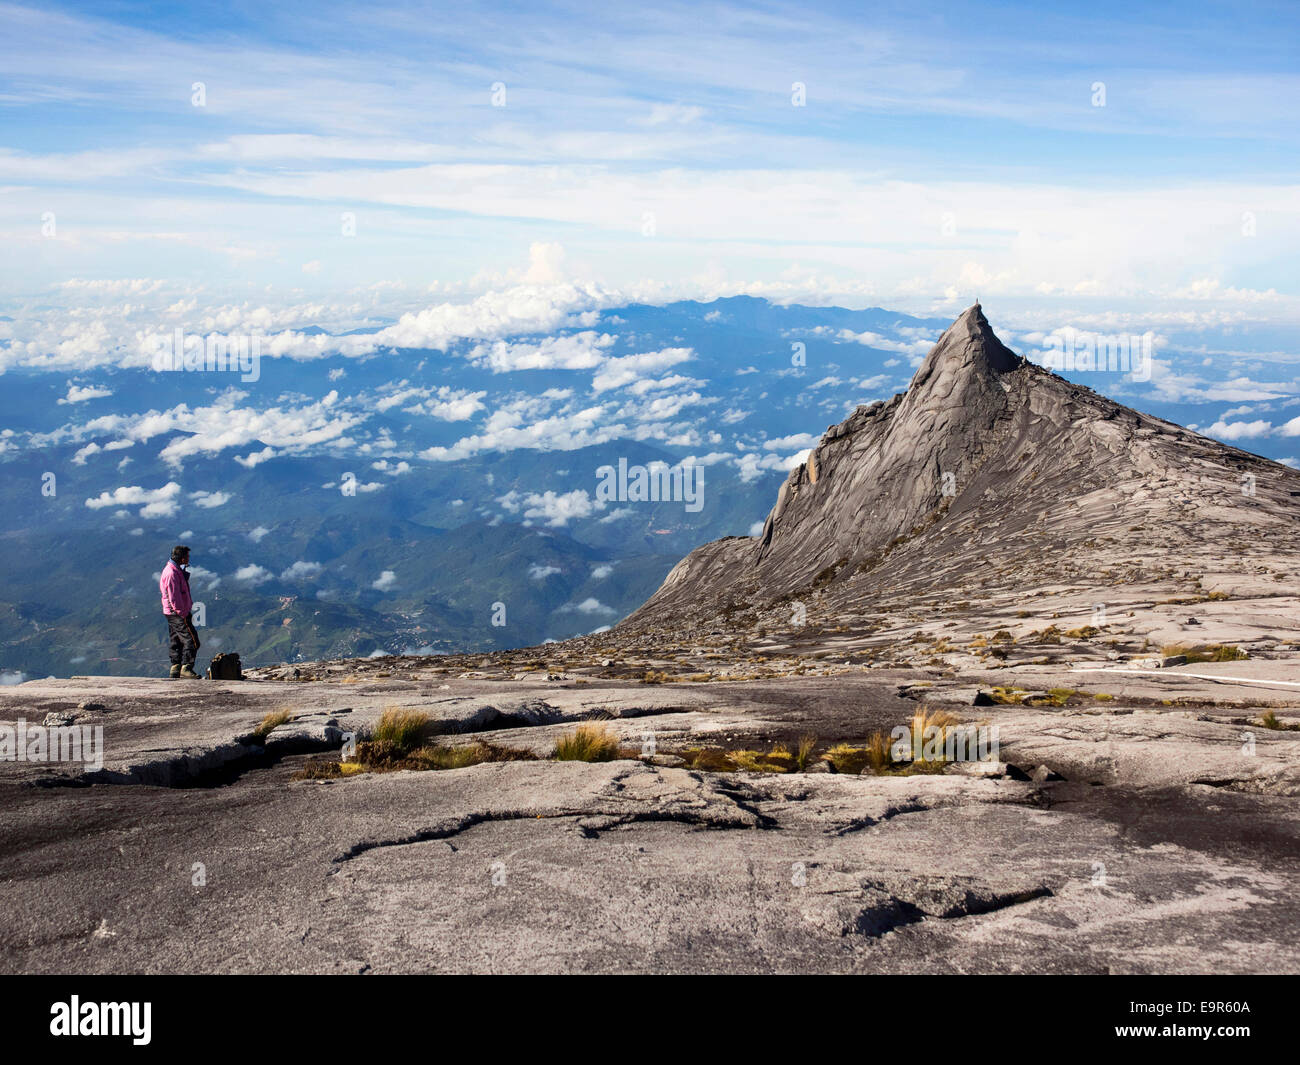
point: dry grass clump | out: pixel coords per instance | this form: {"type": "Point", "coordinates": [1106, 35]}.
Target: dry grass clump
{"type": "Point", "coordinates": [1215, 652]}
{"type": "Point", "coordinates": [400, 730]}
{"type": "Point", "coordinates": [925, 718]}
{"type": "Point", "coordinates": [708, 760]}
{"type": "Point", "coordinates": [270, 722]}
{"type": "Point", "coordinates": [1053, 697]}
{"type": "Point", "coordinates": [1269, 720]}
{"type": "Point", "coordinates": [384, 757]}
{"type": "Point", "coordinates": [400, 740]}
{"type": "Point", "coordinates": [777, 760]}
{"type": "Point", "coordinates": [587, 743]}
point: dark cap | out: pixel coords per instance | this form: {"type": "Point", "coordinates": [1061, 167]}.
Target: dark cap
{"type": "Point", "coordinates": [179, 552]}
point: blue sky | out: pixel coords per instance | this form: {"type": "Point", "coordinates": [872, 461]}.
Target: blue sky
{"type": "Point", "coordinates": [492, 185]}
{"type": "Point", "coordinates": [943, 149]}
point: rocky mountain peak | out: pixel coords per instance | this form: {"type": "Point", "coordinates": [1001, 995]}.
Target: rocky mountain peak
{"type": "Point", "coordinates": [989, 473]}
{"type": "Point", "coordinates": [968, 348]}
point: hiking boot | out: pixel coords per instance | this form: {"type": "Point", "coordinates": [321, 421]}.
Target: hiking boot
{"type": "Point", "coordinates": [176, 672]}
{"type": "Point", "coordinates": [187, 673]}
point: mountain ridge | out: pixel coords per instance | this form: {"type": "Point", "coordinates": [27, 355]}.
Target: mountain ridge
{"type": "Point", "coordinates": [987, 460]}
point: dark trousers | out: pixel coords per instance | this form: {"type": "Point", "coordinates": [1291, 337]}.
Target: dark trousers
{"type": "Point", "coordinates": [180, 641]}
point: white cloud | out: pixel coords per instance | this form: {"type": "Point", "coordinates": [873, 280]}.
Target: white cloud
{"type": "Point", "coordinates": [517, 425]}
{"type": "Point", "coordinates": [683, 114]}
{"type": "Point", "coordinates": [255, 458]}
{"type": "Point", "coordinates": [515, 311]}
{"type": "Point", "coordinates": [555, 508]}
{"type": "Point", "coordinates": [256, 534]}
{"type": "Point", "coordinates": [392, 469]}
{"type": "Point", "coordinates": [577, 351]}
{"type": "Point", "coordinates": [77, 394]}
{"type": "Point", "coordinates": [225, 424]}
{"type": "Point", "coordinates": [386, 580]}
{"type": "Point", "coordinates": [602, 571]}
{"type": "Point", "coordinates": [209, 500]}
{"type": "Point", "coordinates": [199, 575]}
{"type": "Point", "coordinates": [300, 570]}
{"type": "Point", "coordinates": [1240, 430]}
{"type": "Point", "coordinates": [446, 404]}
{"type": "Point", "coordinates": [618, 373]}
{"type": "Point", "coordinates": [589, 605]}
{"type": "Point", "coordinates": [156, 503]}
{"type": "Point", "coordinates": [785, 443]}
{"type": "Point", "coordinates": [751, 466]}
{"type": "Point", "coordinates": [538, 573]}
{"type": "Point", "coordinates": [252, 574]}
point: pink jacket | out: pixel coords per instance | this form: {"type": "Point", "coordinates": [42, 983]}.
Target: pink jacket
{"type": "Point", "coordinates": [175, 587]}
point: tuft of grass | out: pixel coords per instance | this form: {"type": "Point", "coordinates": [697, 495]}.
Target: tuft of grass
{"type": "Point", "coordinates": [777, 760]}
{"type": "Point", "coordinates": [1268, 719]}
{"type": "Point", "coordinates": [925, 718]}
{"type": "Point", "coordinates": [386, 757]}
{"type": "Point", "coordinates": [707, 760]}
{"type": "Point", "coordinates": [847, 758]}
{"type": "Point", "coordinates": [879, 756]}
{"type": "Point", "coordinates": [1054, 697]}
{"type": "Point", "coordinates": [1226, 653]}
{"type": "Point", "coordinates": [272, 721]}
{"type": "Point", "coordinates": [1006, 696]}
{"type": "Point", "coordinates": [400, 731]}
{"type": "Point", "coordinates": [465, 755]}
{"type": "Point", "coordinates": [587, 743]}
{"type": "Point", "coordinates": [804, 752]}
{"type": "Point", "coordinates": [751, 762]}
{"type": "Point", "coordinates": [1215, 652]}
{"type": "Point", "coordinates": [855, 758]}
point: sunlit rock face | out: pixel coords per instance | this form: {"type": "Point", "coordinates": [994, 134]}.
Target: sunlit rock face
{"type": "Point", "coordinates": [990, 477]}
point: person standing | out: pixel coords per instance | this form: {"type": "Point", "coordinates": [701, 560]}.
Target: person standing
{"type": "Point", "coordinates": [182, 640]}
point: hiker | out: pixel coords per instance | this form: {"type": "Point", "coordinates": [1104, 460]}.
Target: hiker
{"type": "Point", "coordinates": [183, 641]}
